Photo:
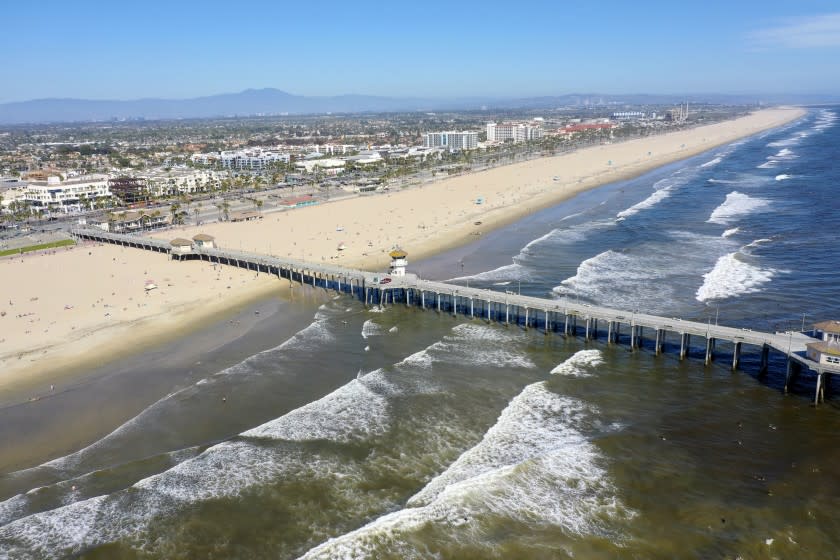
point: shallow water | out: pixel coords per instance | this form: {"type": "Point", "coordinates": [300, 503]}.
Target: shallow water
{"type": "Point", "coordinates": [401, 433]}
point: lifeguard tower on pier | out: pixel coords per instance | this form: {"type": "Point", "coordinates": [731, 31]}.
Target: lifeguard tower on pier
{"type": "Point", "coordinates": [398, 262]}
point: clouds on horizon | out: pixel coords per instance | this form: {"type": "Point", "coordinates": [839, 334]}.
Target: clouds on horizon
{"type": "Point", "coordinates": [807, 32]}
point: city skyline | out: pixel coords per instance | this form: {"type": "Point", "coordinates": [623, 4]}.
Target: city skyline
{"type": "Point", "coordinates": [427, 50]}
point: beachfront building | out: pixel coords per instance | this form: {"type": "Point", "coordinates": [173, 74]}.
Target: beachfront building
{"type": "Point", "coordinates": [452, 141]}
{"type": "Point", "coordinates": [202, 241]}
{"type": "Point", "coordinates": [255, 159]}
{"type": "Point", "coordinates": [628, 115]}
{"type": "Point", "coordinates": [180, 180]}
{"type": "Point", "coordinates": [245, 216]}
{"type": "Point", "coordinates": [328, 166]}
{"type": "Point", "coordinates": [181, 246]}
{"type": "Point", "coordinates": [131, 221]}
{"type": "Point", "coordinates": [69, 195]}
{"type": "Point", "coordinates": [513, 132]}
{"type": "Point", "coordinates": [827, 349]}
{"type": "Point", "coordinates": [366, 157]}
{"type": "Point", "coordinates": [399, 260]}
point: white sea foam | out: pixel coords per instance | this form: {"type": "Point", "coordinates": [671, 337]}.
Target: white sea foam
{"type": "Point", "coordinates": [784, 153]}
{"type": "Point", "coordinates": [730, 232]}
{"type": "Point", "coordinates": [533, 466]}
{"type": "Point", "coordinates": [712, 162]}
{"type": "Point", "coordinates": [506, 273]}
{"type": "Point", "coordinates": [351, 412]}
{"type": "Point", "coordinates": [649, 202]}
{"type": "Point", "coordinates": [747, 249]}
{"type": "Point", "coordinates": [736, 205]}
{"type": "Point", "coordinates": [783, 176]}
{"type": "Point", "coordinates": [731, 277]}
{"type": "Point", "coordinates": [768, 164]}
{"type": "Point", "coordinates": [369, 328]}
{"type": "Point", "coordinates": [566, 235]}
{"type": "Point", "coordinates": [580, 365]}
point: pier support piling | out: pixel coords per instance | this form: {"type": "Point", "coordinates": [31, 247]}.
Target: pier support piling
{"type": "Point", "coordinates": [793, 370]}
{"type": "Point", "coordinates": [765, 355]}
{"type": "Point", "coordinates": [736, 356]}
{"type": "Point", "coordinates": [710, 350]}
{"type": "Point", "coordinates": [685, 341]}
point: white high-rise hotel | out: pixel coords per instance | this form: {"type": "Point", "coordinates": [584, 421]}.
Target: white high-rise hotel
{"type": "Point", "coordinates": [453, 141]}
{"type": "Point", "coordinates": [515, 132]}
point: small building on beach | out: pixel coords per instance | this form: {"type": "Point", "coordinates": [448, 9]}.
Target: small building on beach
{"type": "Point", "coordinates": [245, 216]}
{"type": "Point", "coordinates": [399, 260]}
{"type": "Point", "coordinates": [204, 241]}
{"type": "Point", "coordinates": [827, 349]}
{"type": "Point", "coordinates": [181, 246]}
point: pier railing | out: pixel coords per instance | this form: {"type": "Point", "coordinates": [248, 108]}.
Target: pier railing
{"type": "Point", "coordinates": [550, 315]}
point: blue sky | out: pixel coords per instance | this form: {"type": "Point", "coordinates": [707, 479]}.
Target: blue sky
{"type": "Point", "coordinates": [176, 49]}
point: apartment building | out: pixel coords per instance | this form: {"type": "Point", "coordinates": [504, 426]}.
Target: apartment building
{"type": "Point", "coordinates": [452, 141]}
{"type": "Point", "coordinates": [513, 132]}
{"type": "Point", "coordinates": [70, 195]}
{"type": "Point", "coordinates": [180, 180]}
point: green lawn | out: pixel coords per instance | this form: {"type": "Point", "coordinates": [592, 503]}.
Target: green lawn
{"type": "Point", "coordinates": [52, 245]}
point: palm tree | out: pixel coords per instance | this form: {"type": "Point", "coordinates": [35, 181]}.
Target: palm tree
{"type": "Point", "coordinates": [175, 210]}
{"type": "Point", "coordinates": [226, 210]}
{"type": "Point", "coordinates": [258, 203]}
{"type": "Point", "coordinates": [197, 212]}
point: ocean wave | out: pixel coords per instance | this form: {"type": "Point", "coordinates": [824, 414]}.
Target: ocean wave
{"type": "Point", "coordinates": [351, 412]}
{"type": "Point", "coordinates": [783, 176]}
{"type": "Point", "coordinates": [732, 277]}
{"type": "Point", "coordinates": [784, 153]}
{"type": "Point", "coordinates": [533, 466]}
{"type": "Point", "coordinates": [506, 273]}
{"type": "Point", "coordinates": [736, 205]}
{"type": "Point", "coordinates": [565, 236]}
{"type": "Point", "coordinates": [711, 163]}
{"type": "Point", "coordinates": [649, 202]}
{"type": "Point", "coordinates": [770, 164]}
{"type": "Point", "coordinates": [580, 364]}
{"type": "Point", "coordinates": [730, 232]}
{"type": "Point", "coordinates": [95, 457]}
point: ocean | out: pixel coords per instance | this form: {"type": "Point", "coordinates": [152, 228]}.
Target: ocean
{"type": "Point", "coordinates": [401, 433]}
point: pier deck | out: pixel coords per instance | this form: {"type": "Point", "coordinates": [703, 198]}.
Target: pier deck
{"type": "Point", "coordinates": [568, 317]}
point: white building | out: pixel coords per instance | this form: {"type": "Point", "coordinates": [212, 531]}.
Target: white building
{"type": "Point", "coordinates": [513, 132]}
{"type": "Point", "coordinates": [827, 350]}
{"type": "Point", "coordinates": [451, 140]}
{"type": "Point", "coordinates": [330, 166]}
{"type": "Point", "coordinates": [66, 196]}
{"type": "Point", "coordinates": [181, 180]}
{"type": "Point", "coordinates": [399, 260]}
{"type": "Point", "coordinates": [254, 159]}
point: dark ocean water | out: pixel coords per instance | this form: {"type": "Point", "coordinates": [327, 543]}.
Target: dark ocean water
{"type": "Point", "coordinates": [400, 433]}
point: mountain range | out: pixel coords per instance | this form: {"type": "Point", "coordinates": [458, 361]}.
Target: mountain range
{"type": "Point", "coordinates": [269, 101]}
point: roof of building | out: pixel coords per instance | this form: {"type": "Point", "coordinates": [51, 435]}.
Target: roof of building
{"type": "Point", "coordinates": [828, 326]}
{"type": "Point", "coordinates": [180, 242]}
{"type": "Point", "coordinates": [203, 237]}
{"type": "Point", "coordinates": [245, 215]}
{"type": "Point", "coordinates": [825, 347]}
{"type": "Point", "coordinates": [398, 254]}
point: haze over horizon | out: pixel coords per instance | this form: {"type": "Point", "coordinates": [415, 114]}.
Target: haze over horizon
{"type": "Point", "coordinates": [428, 50]}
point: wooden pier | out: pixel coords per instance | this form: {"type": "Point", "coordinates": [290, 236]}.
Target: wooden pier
{"type": "Point", "coordinates": [547, 315]}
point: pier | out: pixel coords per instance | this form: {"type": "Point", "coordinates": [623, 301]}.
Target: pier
{"type": "Point", "coordinates": [547, 315]}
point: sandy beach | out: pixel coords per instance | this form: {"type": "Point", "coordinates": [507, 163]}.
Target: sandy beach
{"type": "Point", "coordinates": [72, 308]}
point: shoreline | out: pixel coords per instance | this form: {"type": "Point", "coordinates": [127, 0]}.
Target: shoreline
{"type": "Point", "coordinates": [526, 187]}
